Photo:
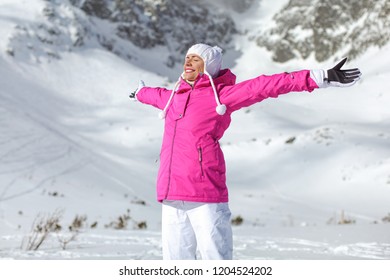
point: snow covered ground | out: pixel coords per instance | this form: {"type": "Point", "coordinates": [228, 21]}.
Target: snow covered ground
{"type": "Point", "coordinates": [355, 242]}
{"type": "Point", "coordinates": [309, 173]}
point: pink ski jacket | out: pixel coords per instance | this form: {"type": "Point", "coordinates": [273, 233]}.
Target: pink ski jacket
{"type": "Point", "coordinates": [192, 165]}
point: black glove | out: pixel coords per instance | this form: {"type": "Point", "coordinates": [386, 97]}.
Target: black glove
{"type": "Point", "coordinates": [342, 78]}
{"type": "Point", "coordinates": [133, 95]}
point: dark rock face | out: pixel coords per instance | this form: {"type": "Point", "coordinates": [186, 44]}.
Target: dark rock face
{"type": "Point", "coordinates": [119, 25]}
{"type": "Point", "coordinates": [302, 29]}
{"type": "Point", "coordinates": [176, 24]}
{"type": "Point", "coordinates": [324, 28]}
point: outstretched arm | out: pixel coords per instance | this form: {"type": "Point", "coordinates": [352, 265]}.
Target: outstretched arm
{"type": "Point", "coordinates": [262, 87]}
{"type": "Point", "coordinates": [255, 90]}
{"type": "Point", "coordinates": [156, 97]}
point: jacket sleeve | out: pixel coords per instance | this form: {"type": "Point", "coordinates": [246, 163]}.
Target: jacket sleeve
{"type": "Point", "coordinates": [157, 97]}
{"type": "Point", "coordinates": [255, 90]}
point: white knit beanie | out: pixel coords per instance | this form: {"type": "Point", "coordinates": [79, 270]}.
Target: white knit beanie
{"type": "Point", "coordinates": [212, 57]}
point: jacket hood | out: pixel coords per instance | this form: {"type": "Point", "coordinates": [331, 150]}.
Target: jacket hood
{"type": "Point", "coordinates": [225, 78]}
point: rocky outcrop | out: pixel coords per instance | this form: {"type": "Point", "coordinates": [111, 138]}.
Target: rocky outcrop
{"type": "Point", "coordinates": [117, 25]}
{"type": "Point", "coordinates": [175, 24]}
{"type": "Point", "coordinates": [326, 28]}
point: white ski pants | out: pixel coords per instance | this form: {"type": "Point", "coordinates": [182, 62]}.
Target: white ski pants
{"type": "Point", "coordinates": [188, 227]}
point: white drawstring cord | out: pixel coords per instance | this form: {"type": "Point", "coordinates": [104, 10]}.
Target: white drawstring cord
{"type": "Point", "coordinates": [221, 108]}
{"type": "Point", "coordinates": [163, 113]}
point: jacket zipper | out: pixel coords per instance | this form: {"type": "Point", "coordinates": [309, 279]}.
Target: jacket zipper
{"type": "Point", "coordinates": [200, 160]}
{"type": "Point", "coordinates": [170, 161]}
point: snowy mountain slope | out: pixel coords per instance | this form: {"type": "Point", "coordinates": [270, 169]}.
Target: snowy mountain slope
{"type": "Point", "coordinates": [48, 154]}
{"type": "Point", "coordinates": [70, 139]}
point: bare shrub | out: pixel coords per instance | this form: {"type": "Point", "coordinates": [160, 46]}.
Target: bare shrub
{"type": "Point", "coordinates": [345, 220]}
{"type": "Point", "coordinates": [342, 220]}
{"type": "Point", "coordinates": [238, 220]}
{"type": "Point", "coordinates": [290, 140]}
{"type": "Point", "coordinates": [74, 229]}
{"type": "Point", "coordinates": [43, 225]}
{"type": "Point", "coordinates": [123, 221]}
{"type": "Point", "coordinates": [94, 225]}
{"type": "Point", "coordinates": [386, 219]}
{"type": "Point", "coordinates": [78, 223]}
{"type": "Point", "coordinates": [65, 239]}
{"type": "Point", "coordinates": [141, 225]}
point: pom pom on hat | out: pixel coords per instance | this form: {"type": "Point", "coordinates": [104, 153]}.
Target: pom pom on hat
{"type": "Point", "coordinates": [212, 57]}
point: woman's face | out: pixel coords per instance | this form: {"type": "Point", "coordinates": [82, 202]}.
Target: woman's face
{"type": "Point", "coordinates": [193, 65]}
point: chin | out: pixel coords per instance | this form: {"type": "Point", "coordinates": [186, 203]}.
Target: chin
{"type": "Point", "coordinates": [191, 79]}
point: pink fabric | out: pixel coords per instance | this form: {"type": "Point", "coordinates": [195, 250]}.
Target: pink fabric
{"type": "Point", "coordinates": [192, 165]}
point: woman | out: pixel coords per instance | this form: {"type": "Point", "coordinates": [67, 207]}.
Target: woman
{"type": "Point", "coordinates": [191, 181]}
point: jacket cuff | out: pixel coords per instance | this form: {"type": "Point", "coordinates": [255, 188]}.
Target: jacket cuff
{"type": "Point", "coordinates": [319, 76]}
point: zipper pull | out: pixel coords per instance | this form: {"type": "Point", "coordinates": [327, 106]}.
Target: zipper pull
{"type": "Point", "coordinates": [200, 154]}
